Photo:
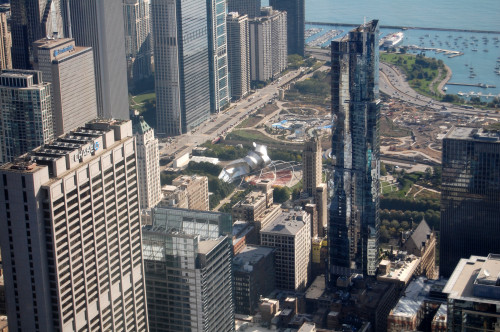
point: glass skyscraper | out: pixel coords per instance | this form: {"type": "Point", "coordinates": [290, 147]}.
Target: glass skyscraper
{"type": "Point", "coordinates": [181, 51]}
{"type": "Point", "coordinates": [295, 14]}
{"type": "Point", "coordinates": [188, 269]}
{"type": "Point", "coordinates": [354, 216]}
{"type": "Point", "coordinates": [219, 85]}
{"type": "Point", "coordinates": [470, 196]}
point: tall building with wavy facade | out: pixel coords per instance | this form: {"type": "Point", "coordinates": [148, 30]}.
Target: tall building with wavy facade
{"type": "Point", "coordinates": [354, 210]}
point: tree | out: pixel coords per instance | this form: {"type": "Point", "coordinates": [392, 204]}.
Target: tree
{"type": "Point", "coordinates": [281, 194]}
{"type": "Point", "coordinates": [395, 224]}
{"type": "Point", "coordinates": [383, 170]}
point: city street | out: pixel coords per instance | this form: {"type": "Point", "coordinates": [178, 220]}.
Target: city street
{"type": "Point", "coordinates": [219, 124]}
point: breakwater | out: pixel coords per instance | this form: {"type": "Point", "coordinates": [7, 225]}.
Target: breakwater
{"type": "Point", "coordinates": [406, 27]}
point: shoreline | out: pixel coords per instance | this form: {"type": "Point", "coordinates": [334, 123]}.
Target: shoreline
{"type": "Point", "coordinates": [406, 27]}
{"type": "Point", "coordinates": [445, 80]}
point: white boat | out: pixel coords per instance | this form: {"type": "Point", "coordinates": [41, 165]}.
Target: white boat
{"type": "Point", "coordinates": [391, 40]}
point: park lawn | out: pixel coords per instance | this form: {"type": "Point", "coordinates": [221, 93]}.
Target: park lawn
{"type": "Point", "coordinates": [250, 135]}
{"type": "Point", "coordinates": [406, 63]}
{"type": "Point", "coordinates": [144, 97]}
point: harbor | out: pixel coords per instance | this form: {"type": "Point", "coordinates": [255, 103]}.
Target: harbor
{"type": "Point", "coordinates": [472, 55]}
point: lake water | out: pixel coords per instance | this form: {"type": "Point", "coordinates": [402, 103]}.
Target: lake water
{"type": "Point", "coordinates": [447, 14]}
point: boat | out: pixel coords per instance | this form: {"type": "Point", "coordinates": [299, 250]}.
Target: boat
{"type": "Point", "coordinates": [474, 50]}
{"type": "Point", "coordinates": [391, 40]}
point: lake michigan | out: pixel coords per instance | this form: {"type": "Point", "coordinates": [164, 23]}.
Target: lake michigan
{"type": "Point", "coordinates": [480, 50]}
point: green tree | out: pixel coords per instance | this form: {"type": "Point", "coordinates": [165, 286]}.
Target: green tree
{"type": "Point", "coordinates": [281, 194]}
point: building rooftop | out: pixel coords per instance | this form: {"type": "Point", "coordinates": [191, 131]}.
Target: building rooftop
{"type": "Point", "coordinates": [415, 294]}
{"type": "Point", "coordinates": [477, 134]}
{"type": "Point", "coordinates": [205, 246]}
{"type": "Point", "coordinates": [139, 125]}
{"type": "Point", "coordinates": [401, 270]}
{"type": "Point", "coordinates": [68, 151]}
{"type": "Point", "coordinates": [249, 256]}
{"type": "Point", "coordinates": [317, 288]}
{"type": "Point", "coordinates": [287, 223]}
{"type": "Point", "coordinates": [476, 279]}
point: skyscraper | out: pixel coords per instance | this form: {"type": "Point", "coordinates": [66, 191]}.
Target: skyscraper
{"type": "Point", "coordinates": [99, 24]}
{"type": "Point", "coordinates": [354, 215]}
{"type": "Point", "coordinates": [182, 81]}
{"type": "Point", "coordinates": [71, 244]}
{"type": "Point", "coordinates": [148, 163]}
{"type": "Point", "coordinates": [290, 235]}
{"type": "Point", "coordinates": [217, 41]}
{"type": "Point", "coordinates": [32, 20]}
{"type": "Point", "coordinates": [70, 70]}
{"type": "Point", "coordinates": [189, 278]}
{"type": "Point", "coordinates": [238, 52]}
{"type": "Point", "coordinates": [5, 41]}
{"type": "Point", "coordinates": [312, 166]}
{"type": "Point", "coordinates": [26, 120]}
{"type": "Point", "coordinates": [137, 38]}
{"type": "Point", "coordinates": [296, 17]}
{"type": "Point", "coordinates": [268, 50]}
{"type": "Point", "coordinates": [245, 7]}
{"type": "Point", "coordinates": [470, 196]}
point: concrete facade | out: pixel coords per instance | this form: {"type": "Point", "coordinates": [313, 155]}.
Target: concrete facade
{"type": "Point", "coordinates": [268, 44]}
{"type": "Point", "coordinates": [26, 119]}
{"type": "Point", "coordinates": [290, 235]}
{"type": "Point", "coordinates": [72, 256]}
{"type": "Point", "coordinates": [99, 24]}
{"type": "Point", "coordinates": [148, 164]}
{"type": "Point", "coordinates": [70, 70]}
{"type": "Point", "coordinates": [238, 51]}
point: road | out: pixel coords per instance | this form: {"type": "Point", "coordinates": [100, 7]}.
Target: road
{"type": "Point", "coordinates": [393, 83]}
{"type": "Point", "coordinates": [220, 123]}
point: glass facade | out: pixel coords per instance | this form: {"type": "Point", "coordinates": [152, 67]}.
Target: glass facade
{"type": "Point", "coordinates": [204, 223]}
{"type": "Point", "coordinates": [470, 198]}
{"type": "Point", "coordinates": [295, 10]}
{"type": "Point", "coordinates": [182, 81]}
{"type": "Point", "coordinates": [219, 88]}
{"type": "Point", "coordinates": [354, 216]}
{"type": "Point", "coordinates": [188, 270]}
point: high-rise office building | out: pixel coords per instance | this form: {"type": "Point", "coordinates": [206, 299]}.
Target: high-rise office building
{"type": "Point", "coordinates": [148, 163]}
{"type": "Point", "coordinates": [312, 166]}
{"type": "Point", "coordinates": [32, 20]}
{"type": "Point", "coordinates": [354, 215]}
{"type": "Point", "coordinates": [26, 120]}
{"type": "Point", "coordinates": [5, 41]}
{"type": "Point", "coordinates": [188, 265]}
{"type": "Point", "coordinates": [99, 24]}
{"type": "Point", "coordinates": [295, 13]}
{"type": "Point", "coordinates": [138, 41]}
{"type": "Point", "coordinates": [251, 8]}
{"type": "Point", "coordinates": [182, 81]}
{"type": "Point", "coordinates": [238, 52]}
{"type": "Point", "coordinates": [470, 196]}
{"type": "Point", "coordinates": [217, 46]}
{"type": "Point", "coordinates": [290, 235]}
{"type": "Point", "coordinates": [268, 44]}
{"type": "Point", "coordinates": [70, 70]}
{"type": "Point", "coordinates": [71, 248]}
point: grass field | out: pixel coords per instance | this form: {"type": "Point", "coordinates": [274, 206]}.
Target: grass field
{"type": "Point", "coordinates": [420, 75]}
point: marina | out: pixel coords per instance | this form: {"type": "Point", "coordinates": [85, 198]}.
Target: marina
{"type": "Point", "coordinates": [462, 51]}
{"type": "Point", "coordinates": [324, 39]}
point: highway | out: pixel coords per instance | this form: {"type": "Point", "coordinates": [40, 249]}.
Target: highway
{"type": "Point", "coordinates": [220, 123]}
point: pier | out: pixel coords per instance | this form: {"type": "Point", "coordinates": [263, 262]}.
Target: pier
{"type": "Point", "coordinates": [407, 28]}
{"type": "Point", "coordinates": [479, 85]}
